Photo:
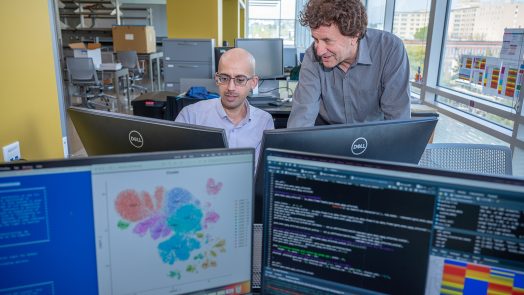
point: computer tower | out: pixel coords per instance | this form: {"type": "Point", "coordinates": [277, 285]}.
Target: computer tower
{"type": "Point", "coordinates": [152, 105]}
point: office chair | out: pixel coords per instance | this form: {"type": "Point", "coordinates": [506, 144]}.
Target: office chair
{"type": "Point", "coordinates": [82, 74]}
{"type": "Point", "coordinates": [129, 60]}
{"type": "Point", "coordinates": [256, 274]}
{"type": "Point", "coordinates": [472, 158]}
{"type": "Point", "coordinates": [107, 58]}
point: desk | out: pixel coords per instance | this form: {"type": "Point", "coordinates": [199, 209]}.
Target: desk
{"type": "Point", "coordinates": [281, 113]}
{"type": "Point", "coordinates": [152, 57]}
{"type": "Point", "coordinates": [117, 74]}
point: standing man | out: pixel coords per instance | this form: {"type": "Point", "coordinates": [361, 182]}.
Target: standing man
{"type": "Point", "coordinates": [243, 123]}
{"type": "Point", "coordinates": [349, 74]}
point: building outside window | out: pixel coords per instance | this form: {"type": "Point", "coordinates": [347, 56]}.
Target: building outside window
{"type": "Point", "coordinates": [472, 61]}
{"type": "Point", "coordinates": [272, 19]}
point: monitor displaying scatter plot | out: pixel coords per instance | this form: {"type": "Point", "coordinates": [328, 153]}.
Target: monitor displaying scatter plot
{"type": "Point", "coordinates": [173, 227]}
{"type": "Point", "coordinates": [148, 223]}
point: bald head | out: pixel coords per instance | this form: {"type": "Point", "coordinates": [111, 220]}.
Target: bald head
{"type": "Point", "coordinates": [238, 56]}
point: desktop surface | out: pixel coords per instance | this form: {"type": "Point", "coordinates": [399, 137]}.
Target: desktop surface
{"type": "Point", "coordinates": [335, 225]}
{"type": "Point", "coordinates": [104, 133]}
{"type": "Point", "coordinates": [150, 223]}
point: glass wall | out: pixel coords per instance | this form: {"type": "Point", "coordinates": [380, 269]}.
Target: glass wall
{"type": "Point", "coordinates": [272, 19]}
{"type": "Point", "coordinates": [470, 54]}
{"type": "Point", "coordinates": [474, 59]}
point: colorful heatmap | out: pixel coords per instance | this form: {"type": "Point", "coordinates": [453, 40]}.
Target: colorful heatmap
{"type": "Point", "coordinates": [468, 279]}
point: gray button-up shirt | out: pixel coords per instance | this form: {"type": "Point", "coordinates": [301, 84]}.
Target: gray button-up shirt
{"type": "Point", "coordinates": [376, 86]}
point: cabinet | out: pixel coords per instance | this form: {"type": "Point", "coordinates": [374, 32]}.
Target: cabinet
{"type": "Point", "coordinates": [187, 58]}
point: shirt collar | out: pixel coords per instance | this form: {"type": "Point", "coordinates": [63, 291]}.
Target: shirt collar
{"type": "Point", "coordinates": [223, 115]}
{"type": "Point", "coordinates": [363, 52]}
{"type": "Point", "coordinates": [220, 109]}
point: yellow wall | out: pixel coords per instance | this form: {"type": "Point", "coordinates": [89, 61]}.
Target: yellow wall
{"type": "Point", "coordinates": [230, 22]}
{"type": "Point", "coordinates": [29, 110]}
{"type": "Point", "coordinates": [194, 19]}
{"type": "Point", "coordinates": [242, 17]}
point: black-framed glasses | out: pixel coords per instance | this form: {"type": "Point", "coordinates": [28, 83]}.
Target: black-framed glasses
{"type": "Point", "coordinates": [239, 80]}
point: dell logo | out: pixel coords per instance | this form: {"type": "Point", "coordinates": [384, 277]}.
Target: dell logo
{"type": "Point", "coordinates": [135, 138]}
{"type": "Point", "coordinates": [359, 146]}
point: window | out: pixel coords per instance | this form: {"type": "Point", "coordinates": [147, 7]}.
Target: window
{"type": "Point", "coordinates": [272, 19]}
{"type": "Point", "coordinates": [472, 58]}
{"type": "Point", "coordinates": [410, 23]}
{"type": "Point", "coordinates": [464, 77]}
{"type": "Point", "coordinates": [376, 11]}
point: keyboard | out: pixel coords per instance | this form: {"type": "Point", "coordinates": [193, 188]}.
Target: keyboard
{"type": "Point", "coordinates": [262, 100]}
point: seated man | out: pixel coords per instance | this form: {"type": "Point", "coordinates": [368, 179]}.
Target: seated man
{"type": "Point", "coordinates": [243, 123]}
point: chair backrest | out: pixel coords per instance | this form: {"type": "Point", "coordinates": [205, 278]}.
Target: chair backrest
{"type": "Point", "coordinates": [128, 59]}
{"type": "Point", "coordinates": [475, 158]}
{"type": "Point", "coordinates": [81, 70]}
{"type": "Point", "coordinates": [108, 57]}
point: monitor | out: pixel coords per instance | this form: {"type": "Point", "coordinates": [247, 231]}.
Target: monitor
{"type": "Point", "coordinates": [390, 140]}
{"type": "Point", "coordinates": [218, 54]}
{"type": "Point", "coordinates": [336, 225]}
{"type": "Point", "coordinates": [290, 57]}
{"type": "Point", "coordinates": [148, 223]}
{"type": "Point", "coordinates": [302, 56]}
{"type": "Point", "coordinates": [104, 133]}
{"type": "Point", "coordinates": [268, 55]}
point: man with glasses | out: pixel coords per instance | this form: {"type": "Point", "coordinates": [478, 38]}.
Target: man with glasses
{"type": "Point", "coordinates": [350, 73]}
{"type": "Point", "coordinates": [243, 123]}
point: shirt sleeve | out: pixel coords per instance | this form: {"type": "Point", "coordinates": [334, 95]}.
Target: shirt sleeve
{"type": "Point", "coordinates": [183, 116]}
{"type": "Point", "coordinates": [270, 124]}
{"type": "Point", "coordinates": [395, 99]}
{"type": "Point", "coordinates": [306, 99]}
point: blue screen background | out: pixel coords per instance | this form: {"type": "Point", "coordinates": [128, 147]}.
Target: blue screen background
{"type": "Point", "coordinates": [66, 263]}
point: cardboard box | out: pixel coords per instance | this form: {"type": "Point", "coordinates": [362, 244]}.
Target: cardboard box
{"type": "Point", "coordinates": [92, 50]}
{"type": "Point", "coordinates": [141, 39]}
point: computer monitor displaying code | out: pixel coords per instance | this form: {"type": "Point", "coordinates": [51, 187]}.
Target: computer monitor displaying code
{"type": "Point", "coordinates": [105, 133]}
{"type": "Point", "coordinates": [336, 225]}
{"type": "Point", "coordinates": [150, 223]}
